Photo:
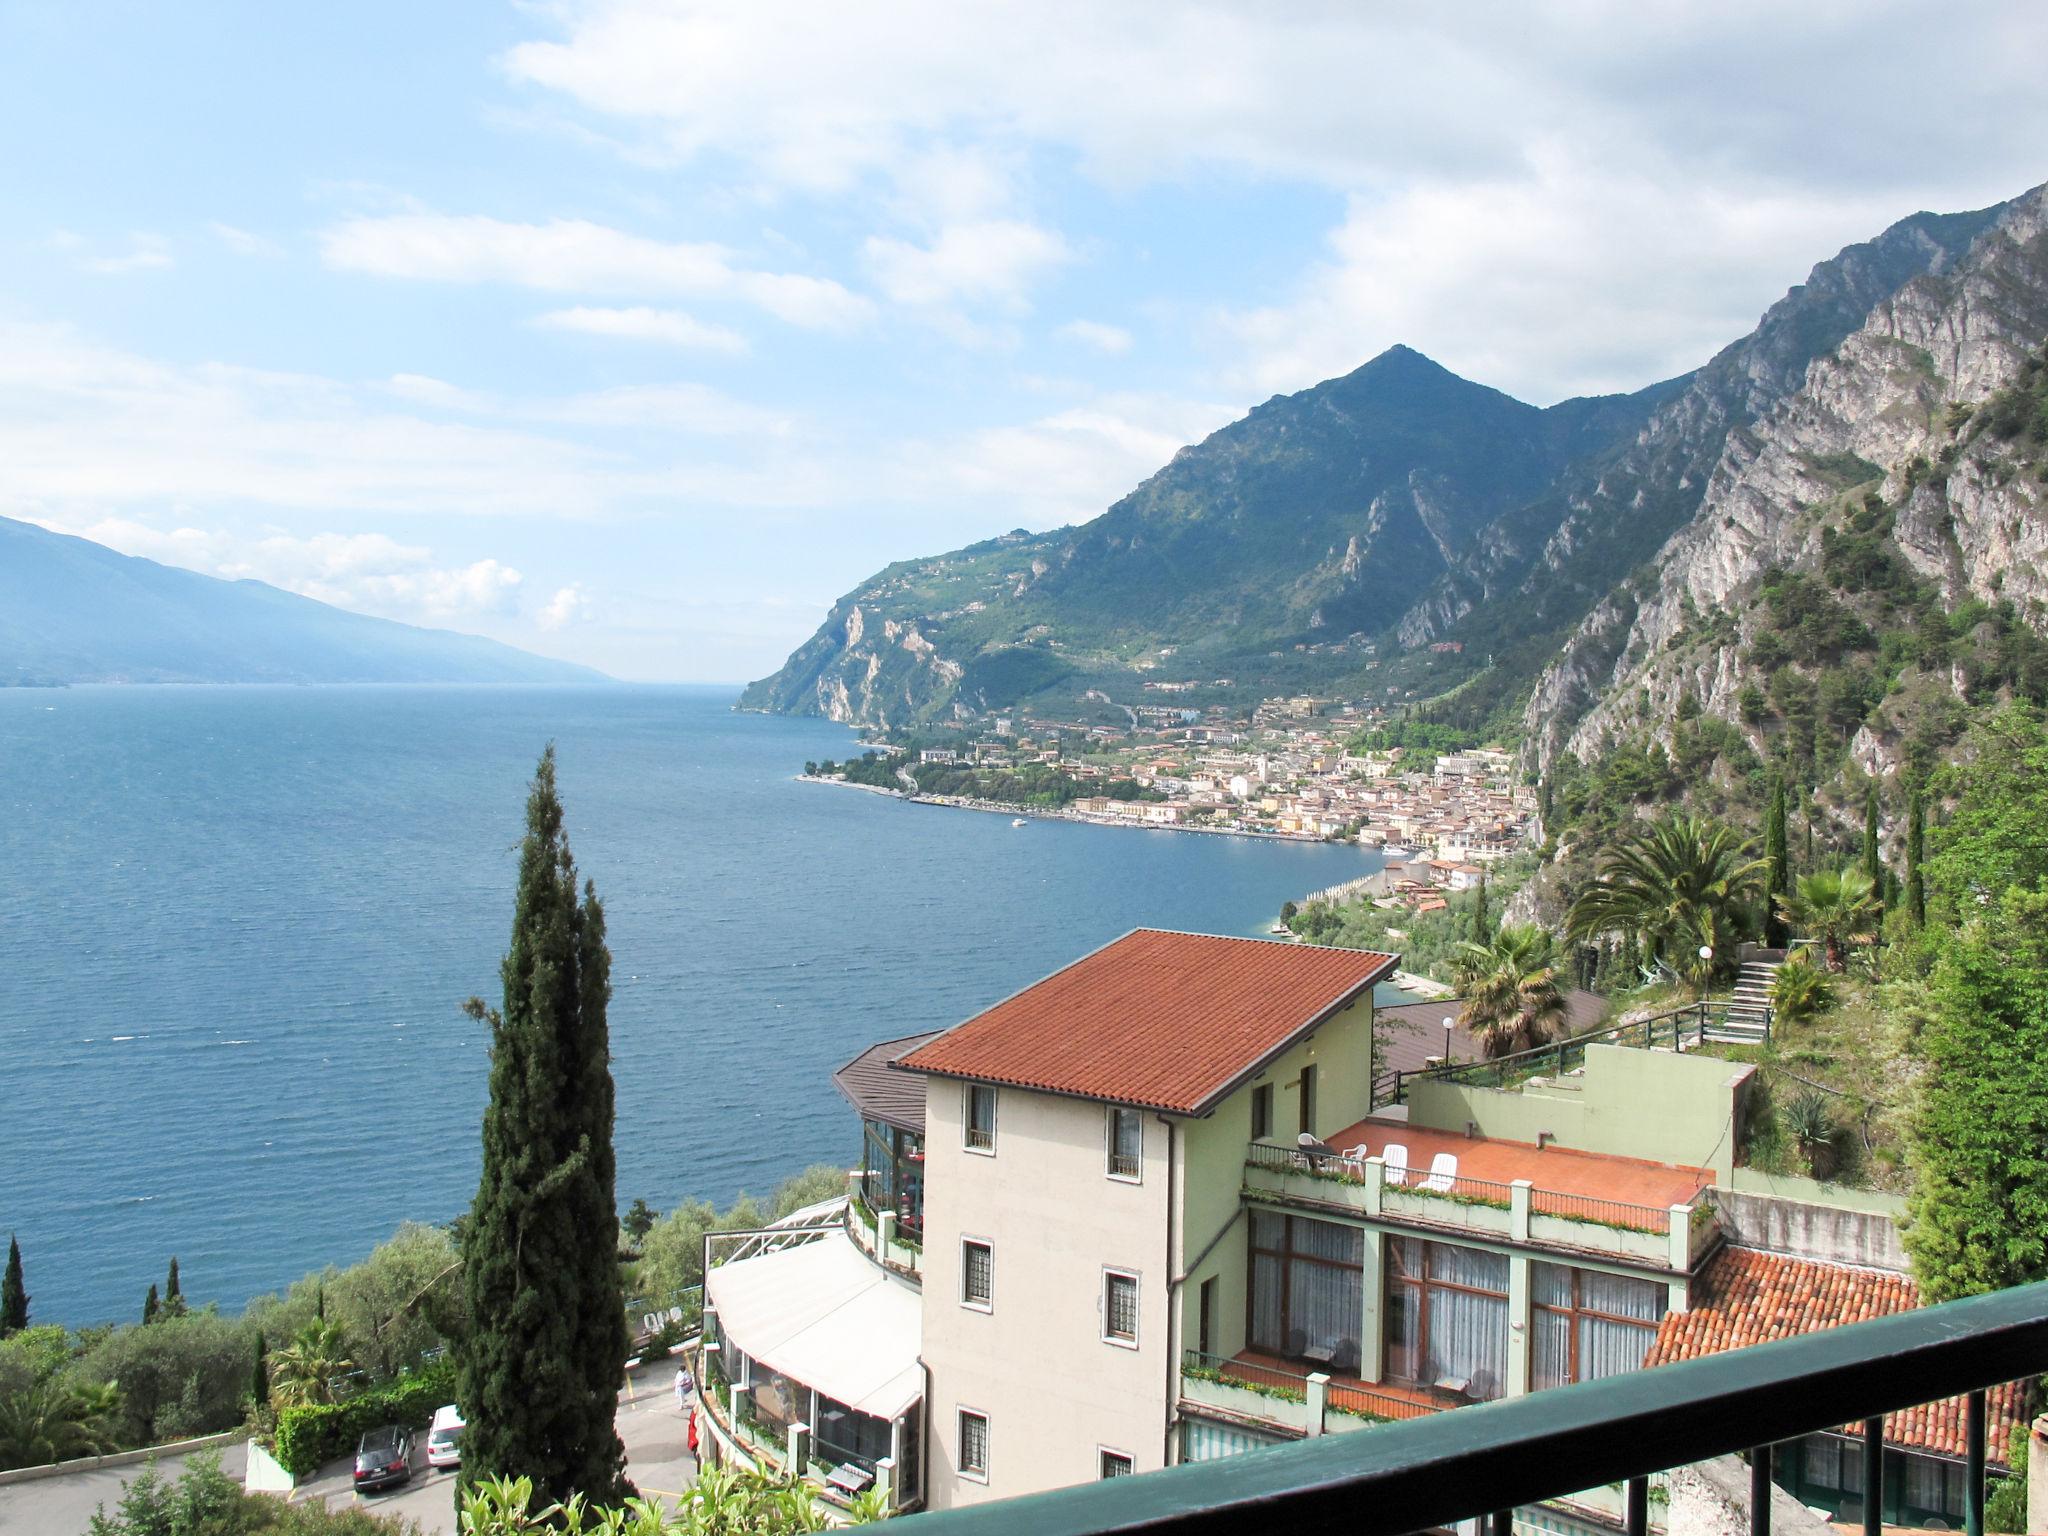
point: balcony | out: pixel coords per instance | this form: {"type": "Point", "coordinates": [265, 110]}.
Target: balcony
{"type": "Point", "coordinates": [883, 1239]}
{"type": "Point", "coordinates": [1671, 1236]}
{"type": "Point", "coordinates": [1487, 1461]}
{"type": "Point", "coordinates": [1269, 1391]}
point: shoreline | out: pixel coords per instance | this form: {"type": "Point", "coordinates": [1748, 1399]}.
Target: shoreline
{"type": "Point", "coordinates": [1051, 813]}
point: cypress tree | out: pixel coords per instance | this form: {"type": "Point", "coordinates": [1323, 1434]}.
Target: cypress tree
{"type": "Point", "coordinates": [13, 1292]}
{"type": "Point", "coordinates": [1916, 851]}
{"type": "Point", "coordinates": [1778, 880]}
{"type": "Point", "coordinates": [259, 1378]}
{"type": "Point", "coordinates": [539, 1370]}
{"type": "Point", "coordinates": [174, 1298]}
{"type": "Point", "coordinates": [1872, 865]}
{"type": "Point", "coordinates": [1481, 930]}
{"type": "Point", "coordinates": [150, 1305]}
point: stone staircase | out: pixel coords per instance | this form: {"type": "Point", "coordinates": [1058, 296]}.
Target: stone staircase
{"type": "Point", "coordinates": [1747, 1018]}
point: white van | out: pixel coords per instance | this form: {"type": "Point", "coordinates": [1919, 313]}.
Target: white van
{"type": "Point", "coordinates": [444, 1439]}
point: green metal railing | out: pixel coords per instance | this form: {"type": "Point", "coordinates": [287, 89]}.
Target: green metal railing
{"type": "Point", "coordinates": [1487, 1460]}
{"type": "Point", "coordinates": [1675, 1029]}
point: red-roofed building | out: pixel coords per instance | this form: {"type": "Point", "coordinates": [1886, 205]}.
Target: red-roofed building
{"type": "Point", "coordinates": [1744, 1297]}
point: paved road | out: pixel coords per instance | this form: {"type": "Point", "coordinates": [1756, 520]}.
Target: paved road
{"type": "Point", "coordinates": [657, 1457]}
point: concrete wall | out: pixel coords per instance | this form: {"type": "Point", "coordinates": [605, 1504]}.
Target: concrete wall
{"type": "Point", "coordinates": [1711, 1498]}
{"type": "Point", "coordinates": [1627, 1102]}
{"type": "Point", "coordinates": [1806, 1229]}
{"type": "Point", "coordinates": [1055, 1393]}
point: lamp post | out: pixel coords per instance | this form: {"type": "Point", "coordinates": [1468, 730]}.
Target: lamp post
{"type": "Point", "coordinates": [1448, 1022]}
{"type": "Point", "coordinates": [1706, 968]}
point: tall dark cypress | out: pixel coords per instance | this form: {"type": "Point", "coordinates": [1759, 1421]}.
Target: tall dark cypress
{"type": "Point", "coordinates": [1482, 929]}
{"type": "Point", "coordinates": [174, 1295]}
{"type": "Point", "coordinates": [1916, 850]}
{"type": "Point", "coordinates": [13, 1292]}
{"type": "Point", "coordinates": [1778, 856]}
{"type": "Point", "coordinates": [539, 1370]}
{"type": "Point", "coordinates": [1873, 865]}
{"type": "Point", "coordinates": [150, 1305]}
{"type": "Point", "coordinates": [259, 1375]}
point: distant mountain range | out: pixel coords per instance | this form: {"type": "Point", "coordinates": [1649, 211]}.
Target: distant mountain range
{"type": "Point", "coordinates": [72, 611]}
{"type": "Point", "coordinates": [1400, 531]}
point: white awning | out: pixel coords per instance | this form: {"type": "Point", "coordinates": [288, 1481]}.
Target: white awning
{"type": "Point", "coordinates": [826, 1315]}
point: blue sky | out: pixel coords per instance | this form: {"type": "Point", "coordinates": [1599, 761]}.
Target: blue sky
{"type": "Point", "coordinates": [636, 332]}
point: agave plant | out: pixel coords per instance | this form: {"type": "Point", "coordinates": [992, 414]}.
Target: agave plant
{"type": "Point", "coordinates": [1810, 1121]}
{"type": "Point", "coordinates": [1512, 999]}
{"type": "Point", "coordinates": [1800, 991]}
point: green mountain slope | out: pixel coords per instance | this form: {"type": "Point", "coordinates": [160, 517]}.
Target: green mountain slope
{"type": "Point", "coordinates": [72, 611]}
{"type": "Point", "coordinates": [1314, 521]}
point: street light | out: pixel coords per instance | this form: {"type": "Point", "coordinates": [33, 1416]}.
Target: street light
{"type": "Point", "coordinates": [1448, 1021]}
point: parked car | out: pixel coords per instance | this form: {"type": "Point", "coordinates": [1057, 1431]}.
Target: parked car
{"type": "Point", "coordinates": [384, 1457]}
{"type": "Point", "coordinates": [444, 1438]}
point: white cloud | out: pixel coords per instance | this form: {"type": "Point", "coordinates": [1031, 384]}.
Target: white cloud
{"type": "Point", "coordinates": [569, 605]}
{"type": "Point", "coordinates": [669, 326]}
{"type": "Point", "coordinates": [995, 260]}
{"type": "Point", "coordinates": [145, 252]}
{"type": "Point", "coordinates": [244, 243]}
{"type": "Point", "coordinates": [576, 256]}
{"type": "Point", "coordinates": [439, 394]}
{"type": "Point", "coordinates": [1113, 340]}
{"type": "Point", "coordinates": [690, 408]}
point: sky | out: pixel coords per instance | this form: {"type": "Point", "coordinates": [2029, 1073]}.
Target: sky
{"type": "Point", "coordinates": [635, 332]}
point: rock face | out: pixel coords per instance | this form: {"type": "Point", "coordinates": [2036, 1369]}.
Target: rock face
{"type": "Point", "coordinates": [1401, 506]}
{"type": "Point", "coordinates": [1884, 411]}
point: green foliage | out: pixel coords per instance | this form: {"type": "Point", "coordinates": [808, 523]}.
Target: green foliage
{"type": "Point", "coordinates": [1800, 992]}
{"type": "Point", "coordinates": [1873, 864]}
{"type": "Point", "coordinates": [309, 1435]}
{"type": "Point", "coordinates": [1777, 865]}
{"type": "Point", "coordinates": [637, 1220]}
{"type": "Point", "coordinates": [820, 1181]}
{"type": "Point", "coordinates": [1916, 858]}
{"type": "Point", "coordinates": [1030, 784]}
{"type": "Point", "coordinates": [14, 1297]}
{"type": "Point", "coordinates": [55, 1420]}
{"type": "Point", "coordinates": [1996, 834]}
{"type": "Point", "coordinates": [307, 1371]}
{"type": "Point", "coordinates": [1421, 737]}
{"type": "Point", "coordinates": [1681, 881]}
{"type": "Point", "coordinates": [174, 1295]}
{"type": "Point", "coordinates": [204, 1501]}
{"type": "Point", "coordinates": [1833, 908]}
{"type": "Point", "coordinates": [151, 1306]}
{"type": "Point", "coordinates": [2005, 1502]}
{"type": "Point", "coordinates": [870, 768]}
{"type": "Point", "coordinates": [179, 1376]}
{"type": "Point", "coordinates": [540, 1364]}
{"type": "Point", "coordinates": [723, 1501]}
{"type": "Point", "coordinates": [401, 1302]}
{"type": "Point", "coordinates": [1512, 998]}
{"type": "Point", "coordinates": [1979, 1209]}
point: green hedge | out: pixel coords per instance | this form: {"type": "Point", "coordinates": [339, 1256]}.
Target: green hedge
{"type": "Point", "coordinates": [306, 1437]}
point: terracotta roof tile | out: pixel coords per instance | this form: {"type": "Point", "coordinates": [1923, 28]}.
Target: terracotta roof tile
{"type": "Point", "coordinates": [1744, 1297]}
{"type": "Point", "coordinates": [1164, 1020]}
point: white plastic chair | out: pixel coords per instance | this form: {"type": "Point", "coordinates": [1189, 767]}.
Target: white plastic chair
{"type": "Point", "coordinates": [1396, 1158]}
{"type": "Point", "coordinates": [1443, 1172]}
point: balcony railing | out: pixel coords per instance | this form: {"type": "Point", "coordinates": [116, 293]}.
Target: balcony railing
{"type": "Point", "coordinates": [1488, 1460]}
{"type": "Point", "coordinates": [1292, 1399]}
{"type": "Point", "coordinates": [1557, 1218]}
{"type": "Point", "coordinates": [1676, 1029]}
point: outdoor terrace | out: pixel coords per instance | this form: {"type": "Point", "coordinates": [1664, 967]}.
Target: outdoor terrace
{"type": "Point", "coordinates": [1650, 1213]}
{"type": "Point", "coordinates": [1269, 1389]}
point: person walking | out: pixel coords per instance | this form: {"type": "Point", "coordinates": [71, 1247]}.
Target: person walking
{"type": "Point", "coordinates": [683, 1389]}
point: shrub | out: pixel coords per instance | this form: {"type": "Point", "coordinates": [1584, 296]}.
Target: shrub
{"type": "Point", "coordinates": [308, 1436]}
{"type": "Point", "coordinates": [1800, 992]}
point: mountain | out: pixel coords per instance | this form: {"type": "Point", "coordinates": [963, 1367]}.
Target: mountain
{"type": "Point", "coordinates": [72, 611]}
{"type": "Point", "coordinates": [1869, 552]}
{"type": "Point", "coordinates": [1348, 536]}
{"type": "Point", "coordinates": [1311, 523]}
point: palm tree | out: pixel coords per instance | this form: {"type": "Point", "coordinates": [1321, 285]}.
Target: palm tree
{"type": "Point", "coordinates": [1683, 882]}
{"type": "Point", "coordinates": [303, 1372]}
{"type": "Point", "coordinates": [1512, 999]}
{"type": "Point", "coordinates": [1833, 907]}
{"type": "Point", "coordinates": [50, 1420]}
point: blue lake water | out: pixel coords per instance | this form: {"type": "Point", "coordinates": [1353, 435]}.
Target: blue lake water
{"type": "Point", "coordinates": [236, 923]}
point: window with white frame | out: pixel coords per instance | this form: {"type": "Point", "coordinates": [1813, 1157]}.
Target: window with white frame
{"type": "Point", "coordinates": [1126, 1132]}
{"type": "Point", "coordinates": [973, 1444]}
{"type": "Point", "coordinates": [980, 1113]}
{"type": "Point", "coordinates": [977, 1274]}
{"type": "Point", "coordinates": [1116, 1464]}
{"type": "Point", "coordinates": [1119, 1307]}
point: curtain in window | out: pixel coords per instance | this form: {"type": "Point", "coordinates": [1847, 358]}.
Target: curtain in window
{"type": "Point", "coordinates": [1553, 1336]}
{"type": "Point", "coordinates": [1622, 1295]}
{"type": "Point", "coordinates": [1550, 1284]}
{"type": "Point", "coordinates": [1328, 1240]}
{"type": "Point", "coordinates": [1468, 1340]}
{"type": "Point", "coordinates": [1823, 1461]}
{"type": "Point", "coordinates": [1925, 1485]}
{"type": "Point", "coordinates": [1325, 1306]}
{"type": "Point", "coordinates": [1610, 1349]}
{"type": "Point", "coordinates": [1266, 1304]}
{"type": "Point", "coordinates": [1469, 1266]}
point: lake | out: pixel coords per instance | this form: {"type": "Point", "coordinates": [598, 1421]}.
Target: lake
{"type": "Point", "coordinates": [236, 925]}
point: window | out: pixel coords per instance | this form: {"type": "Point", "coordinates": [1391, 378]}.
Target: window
{"type": "Point", "coordinates": [1307, 1289]}
{"type": "Point", "coordinates": [974, 1445]}
{"type": "Point", "coordinates": [981, 1117]}
{"type": "Point", "coordinates": [1126, 1142]}
{"type": "Point", "coordinates": [1589, 1324]}
{"type": "Point", "coordinates": [1447, 1317]}
{"type": "Point", "coordinates": [1308, 1100]}
{"type": "Point", "coordinates": [1116, 1464]}
{"type": "Point", "coordinates": [1262, 1111]}
{"type": "Point", "coordinates": [977, 1274]}
{"type": "Point", "coordinates": [1207, 1313]}
{"type": "Point", "coordinates": [1119, 1307]}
